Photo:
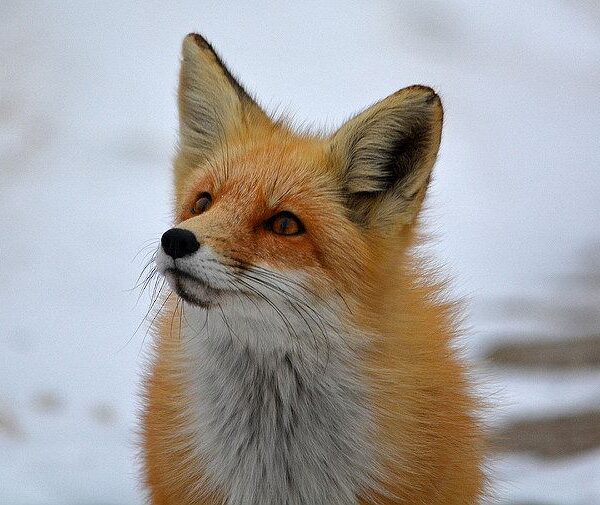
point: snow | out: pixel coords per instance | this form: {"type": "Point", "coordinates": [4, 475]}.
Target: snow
{"type": "Point", "coordinates": [87, 127]}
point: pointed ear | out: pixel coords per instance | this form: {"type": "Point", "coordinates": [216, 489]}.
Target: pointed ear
{"type": "Point", "coordinates": [212, 104]}
{"type": "Point", "coordinates": [387, 153]}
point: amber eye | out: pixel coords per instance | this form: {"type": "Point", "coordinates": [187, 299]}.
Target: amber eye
{"type": "Point", "coordinates": [285, 223]}
{"type": "Point", "coordinates": [202, 204]}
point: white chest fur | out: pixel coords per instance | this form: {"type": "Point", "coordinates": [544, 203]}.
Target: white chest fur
{"type": "Point", "coordinates": [285, 424]}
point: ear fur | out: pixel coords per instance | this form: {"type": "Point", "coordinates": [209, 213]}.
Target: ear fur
{"type": "Point", "coordinates": [212, 103]}
{"type": "Point", "coordinates": [386, 154]}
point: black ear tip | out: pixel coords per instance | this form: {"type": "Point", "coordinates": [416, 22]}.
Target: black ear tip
{"type": "Point", "coordinates": [433, 98]}
{"type": "Point", "coordinates": [198, 40]}
{"type": "Point", "coordinates": [427, 93]}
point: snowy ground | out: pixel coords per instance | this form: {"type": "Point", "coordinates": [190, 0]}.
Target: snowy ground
{"type": "Point", "coordinates": [87, 124]}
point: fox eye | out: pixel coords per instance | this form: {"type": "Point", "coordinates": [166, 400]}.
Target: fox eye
{"type": "Point", "coordinates": [285, 223]}
{"type": "Point", "coordinates": [202, 204]}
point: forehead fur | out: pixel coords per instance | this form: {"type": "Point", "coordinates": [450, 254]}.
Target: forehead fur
{"type": "Point", "coordinates": [281, 167]}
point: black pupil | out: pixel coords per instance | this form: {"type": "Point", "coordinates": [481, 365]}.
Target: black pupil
{"type": "Point", "coordinates": [202, 204]}
{"type": "Point", "coordinates": [284, 224]}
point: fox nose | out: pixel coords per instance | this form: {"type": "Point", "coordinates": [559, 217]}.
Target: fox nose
{"type": "Point", "coordinates": [178, 242]}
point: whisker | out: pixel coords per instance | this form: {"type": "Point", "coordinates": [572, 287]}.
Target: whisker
{"type": "Point", "coordinates": [147, 265]}
{"type": "Point", "coordinates": [181, 318]}
{"type": "Point", "coordinates": [226, 323]}
{"type": "Point", "coordinates": [153, 243]}
{"type": "Point", "coordinates": [154, 319]}
{"type": "Point", "coordinates": [173, 315]}
{"type": "Point", "coordinates": [143, 284]}
{"type": "Point", "coordinates": [286, 321]}
{"type": "Point", "coordinates": [234, 262]}
{"type": "Point", "coordinates": [152, 303]}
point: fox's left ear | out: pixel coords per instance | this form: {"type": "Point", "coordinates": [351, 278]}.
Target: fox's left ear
{"type": "Point", "coordinates": [386, 154]}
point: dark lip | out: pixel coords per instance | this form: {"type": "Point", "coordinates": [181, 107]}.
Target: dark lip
{"type": "Point", "coordinates": [191, 297]}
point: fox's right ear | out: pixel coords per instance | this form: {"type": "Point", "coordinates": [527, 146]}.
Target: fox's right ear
{"type": "Point", "coordinates": [212, 104]}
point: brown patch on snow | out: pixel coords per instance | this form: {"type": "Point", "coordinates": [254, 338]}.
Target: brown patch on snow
{"type": "Point", "coordinates": [10, 426]}
{"type": "Point", "coordinates": [47, 402]}
{"type": "Point", "coordinates": [551, 437]}
{"type": "Point", "coordinates": [103, 414]}
{"type": "Point", "coordinates": [581, 352]}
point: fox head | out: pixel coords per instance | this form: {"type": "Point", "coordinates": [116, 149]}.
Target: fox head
{"type": "Point", "coordinates": [284, 224]}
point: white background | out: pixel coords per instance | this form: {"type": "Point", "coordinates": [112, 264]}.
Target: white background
{"type": "Point", "coordinates": [87, 128]}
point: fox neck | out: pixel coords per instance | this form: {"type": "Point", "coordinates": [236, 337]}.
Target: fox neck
{"type": "Point", "coordinates": [274, 423]}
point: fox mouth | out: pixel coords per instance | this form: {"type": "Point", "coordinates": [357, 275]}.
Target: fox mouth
{"type": "Point", "coordinates": [191, 289]}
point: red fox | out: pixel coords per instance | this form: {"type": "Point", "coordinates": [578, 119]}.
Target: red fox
{"type": "Point", "coordinates": [308, 357]}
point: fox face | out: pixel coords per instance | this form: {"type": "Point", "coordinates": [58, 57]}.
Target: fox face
{"type": "Point", "coordinates": [279, 225]}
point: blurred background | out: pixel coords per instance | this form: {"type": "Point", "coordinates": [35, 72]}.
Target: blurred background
{"type": "Point", "coordinates": [87, 129]}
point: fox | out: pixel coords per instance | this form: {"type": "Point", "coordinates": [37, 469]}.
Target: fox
{"type": "Point", "coordinates": [307, 356]}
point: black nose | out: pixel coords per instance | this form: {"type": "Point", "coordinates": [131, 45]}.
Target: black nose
{"type": "Point", "coordinates": [178, 243]}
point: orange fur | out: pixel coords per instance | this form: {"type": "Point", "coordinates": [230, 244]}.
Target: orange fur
{"type": "Point", "coordinates": [172, 469]}
{"type": "Point", "coordinates": [424, 411]}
